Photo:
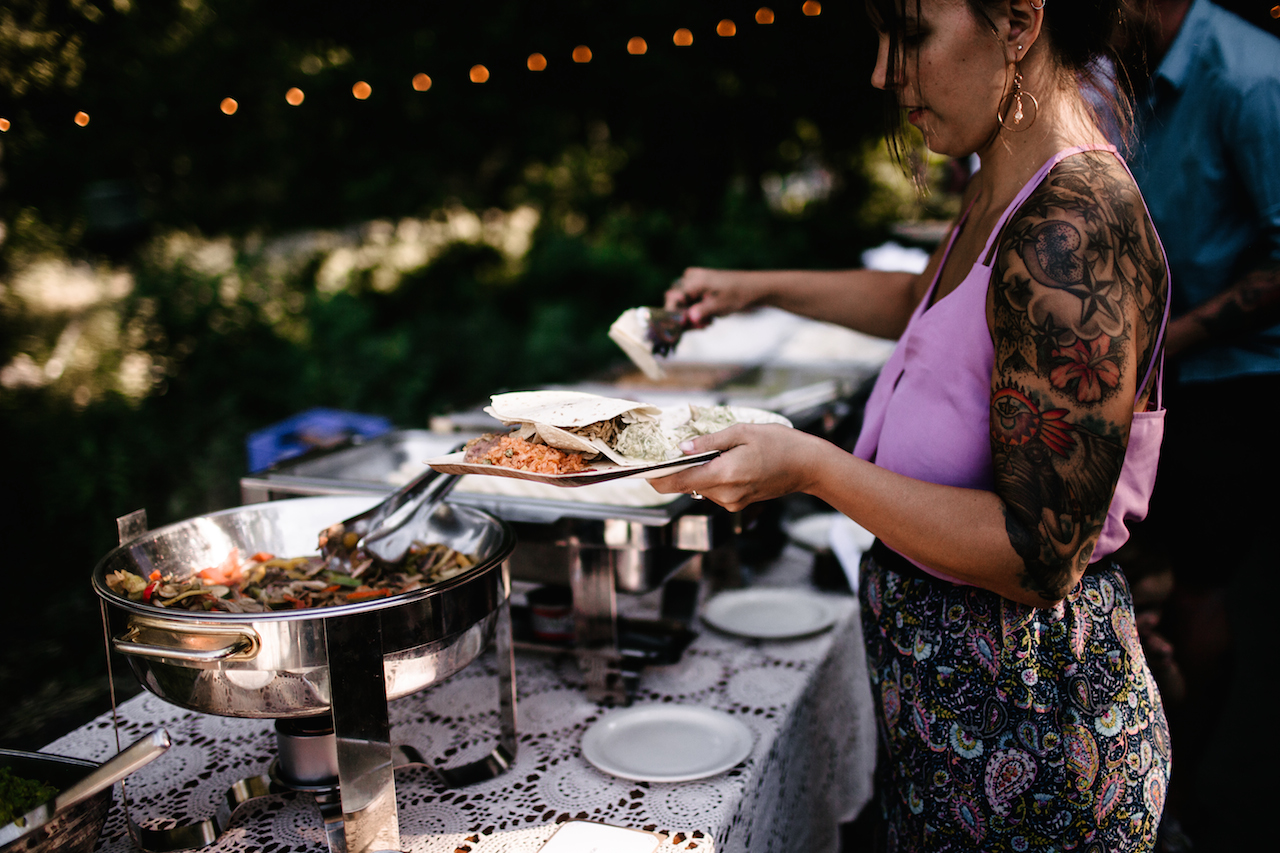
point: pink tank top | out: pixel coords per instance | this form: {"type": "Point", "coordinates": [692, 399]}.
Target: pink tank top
{"type": "Point", "coordinates": [928, 414]}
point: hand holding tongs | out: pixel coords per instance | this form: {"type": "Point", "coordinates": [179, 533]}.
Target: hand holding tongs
{"type": "Point", "coordinates": [385, 531]}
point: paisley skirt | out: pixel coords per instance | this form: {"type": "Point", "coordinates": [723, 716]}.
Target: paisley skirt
{"type": "Point", "coordinates": [1007, 727]}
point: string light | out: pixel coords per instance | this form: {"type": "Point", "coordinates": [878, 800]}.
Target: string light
{"type": "Point", "coordinates": [636, 46]}
{"type": "Point", "coordinates": [1275, 11]}
{"type": "Point", "coordinates": [4, 125]}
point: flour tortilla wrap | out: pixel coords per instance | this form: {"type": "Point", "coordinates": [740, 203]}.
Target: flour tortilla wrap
{"type": "Point", "coordinates": [569, 420]}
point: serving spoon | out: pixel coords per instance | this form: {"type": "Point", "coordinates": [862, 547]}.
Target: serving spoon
{"type": "Point", "coordinates": [140, 753]}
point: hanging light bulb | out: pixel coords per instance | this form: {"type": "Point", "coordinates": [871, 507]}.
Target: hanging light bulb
{"type": "Point", "coordinates": [228, 107]}
{"type": "Point", "coordinates": [636, 46]}
{"type": "Point", "coordinates": [294, 96]}
{"type": "Point", "coordinates": [582, 53]}
{"type": "Point", "coordinates": [811, 8]}
{"type": "Point", "coordinates": [682, 38]}
{"type": "Point", "coordinates": [4, 125]}
{"type": "Point", "coordinates": [764, 15]}
{"type": "Point", "coordinates": [421, 82]}
{"type": "Point", "coordinates": [479, 74]}
{"type": "Point", "coordinates": [536, 62]}
{"type": "Point", "coordinates": [361, 90]}
{"type": "Point", "coordinates": [726, 28]}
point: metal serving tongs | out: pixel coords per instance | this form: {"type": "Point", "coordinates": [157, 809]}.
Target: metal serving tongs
{"type": "Point", "coordinates": [385, 531]}
{"type": "Point", "coordinates": [111, 771]}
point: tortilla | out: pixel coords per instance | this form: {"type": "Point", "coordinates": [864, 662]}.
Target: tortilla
{"type": "Point", "coordinates": [564, 408]}
{"type": "Point", "coordinates": [570, 420]}
{"type": "Point", "coordinates": [631, 332]}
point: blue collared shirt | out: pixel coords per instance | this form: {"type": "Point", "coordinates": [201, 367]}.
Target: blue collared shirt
{"type": "Point", "coordinates": [1208, 163]}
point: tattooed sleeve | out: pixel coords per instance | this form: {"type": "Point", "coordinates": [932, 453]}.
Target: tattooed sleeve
{"type": "Point", "coordinates": [1076, 301]}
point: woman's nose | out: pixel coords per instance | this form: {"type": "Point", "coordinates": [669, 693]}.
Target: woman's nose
{"type": "Point", "coordinates": [880, 74]}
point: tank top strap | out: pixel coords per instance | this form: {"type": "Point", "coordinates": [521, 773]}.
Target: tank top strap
{"type": "Point", "coordinates": [988, 251]}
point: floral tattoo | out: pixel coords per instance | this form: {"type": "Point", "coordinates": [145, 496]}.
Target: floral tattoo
{"type": "Point", "coordinates": [1076, 304]}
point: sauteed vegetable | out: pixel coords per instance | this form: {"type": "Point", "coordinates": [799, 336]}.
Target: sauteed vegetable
{"type": "Point", "coordinates": [265, 582]}
{"type": "Point", "coordinates": [19, 796]}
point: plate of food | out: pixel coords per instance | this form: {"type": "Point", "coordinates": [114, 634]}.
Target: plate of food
{"type": "Point", "coordinates": [573, 438]}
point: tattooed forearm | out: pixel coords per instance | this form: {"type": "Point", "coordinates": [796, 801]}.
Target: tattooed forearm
{"type": "Point", "coordinates": [1075, 308]}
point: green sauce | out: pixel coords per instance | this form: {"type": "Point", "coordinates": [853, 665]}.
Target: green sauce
{"type": "Point", "coordinates": [19, 796]}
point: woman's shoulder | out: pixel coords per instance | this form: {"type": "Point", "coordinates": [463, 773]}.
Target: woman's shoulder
{"type": "Point", "coordinates": [1094, 200]}
{"type": "Point", "coordinates": [1080, 261]}
{"type": "Point", "coordinates": [1086, 178]}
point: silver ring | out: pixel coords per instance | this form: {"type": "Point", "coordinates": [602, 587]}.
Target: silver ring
{"type": "Point", "coordinates": [695, 496]}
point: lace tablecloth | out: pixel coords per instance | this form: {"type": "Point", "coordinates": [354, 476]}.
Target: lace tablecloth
{"type": "Point", "coordinates": [805, 701]}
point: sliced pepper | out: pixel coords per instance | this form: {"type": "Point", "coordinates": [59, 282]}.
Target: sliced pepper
{"type": "Point", "coordinates": [367, 594]}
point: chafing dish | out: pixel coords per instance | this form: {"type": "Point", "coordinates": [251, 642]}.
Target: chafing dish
{"type": "Point", "coordinates": [329, 671]}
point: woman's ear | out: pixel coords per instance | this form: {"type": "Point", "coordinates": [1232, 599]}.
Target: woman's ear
{"type": "Point", "coordinates": [1025, 20]}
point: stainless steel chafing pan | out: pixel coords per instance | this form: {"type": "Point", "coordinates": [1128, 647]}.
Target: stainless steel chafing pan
{"type": "Point", "coordinates": [275, 664]}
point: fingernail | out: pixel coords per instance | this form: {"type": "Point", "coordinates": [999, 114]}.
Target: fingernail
{"type": "Point", "coordinates": [686, 446]}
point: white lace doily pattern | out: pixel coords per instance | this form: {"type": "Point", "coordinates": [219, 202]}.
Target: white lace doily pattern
{"type": "Point", "coordinates": [805, 701]}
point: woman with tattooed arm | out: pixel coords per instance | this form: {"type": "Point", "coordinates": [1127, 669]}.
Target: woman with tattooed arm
{"type": "Point", "coordinates": [1013, 431]}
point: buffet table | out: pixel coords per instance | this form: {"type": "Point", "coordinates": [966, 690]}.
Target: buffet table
{"type": "Point", "coordinates": [805, 701]}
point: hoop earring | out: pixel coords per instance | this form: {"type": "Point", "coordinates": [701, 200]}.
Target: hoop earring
{"type": "Point", "coordinates": [1041, 6]}
{"type": "Point", "coordinates": [1012, 105]}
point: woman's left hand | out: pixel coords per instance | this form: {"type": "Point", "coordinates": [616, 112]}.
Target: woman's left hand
{"type": "Point", "coordinates": [756, 462]}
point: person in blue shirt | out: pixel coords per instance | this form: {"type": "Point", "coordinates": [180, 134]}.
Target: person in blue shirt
{"type": "Point", "coordinates": [1207, 158]}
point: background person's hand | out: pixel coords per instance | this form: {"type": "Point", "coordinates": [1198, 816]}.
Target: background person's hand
{"type": "Point", "coordinates": [704, 294]}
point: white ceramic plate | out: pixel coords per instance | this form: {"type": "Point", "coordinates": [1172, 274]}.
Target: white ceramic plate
{"type": "Point", "coordinates": [769, 614]}
{"type": "Point", "coordinates": [666, 743]}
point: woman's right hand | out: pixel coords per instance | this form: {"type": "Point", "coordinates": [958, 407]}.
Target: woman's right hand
{"type": "Point", "coordinates": [704, 294]}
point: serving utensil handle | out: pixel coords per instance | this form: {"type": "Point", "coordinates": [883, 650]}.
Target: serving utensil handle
{"type": "Point", "coordinates": [142, 752]}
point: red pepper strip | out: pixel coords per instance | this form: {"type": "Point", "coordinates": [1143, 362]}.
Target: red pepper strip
{"type": "Point", "coordinates": [151, 589]}
{"type": "Point", "coordinates": [155, 575]}
{"type": "Point", "coordinates": [297, 603]}
{"type": "Point", "coordinates": [263, 556]}
{"type": "Point", "coordinates": [367, 594]}
{"type": "Point", "coordinates": [333, 588]}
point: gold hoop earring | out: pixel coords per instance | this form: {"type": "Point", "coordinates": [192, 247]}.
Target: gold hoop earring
{"type": "Point", "coordinates": [1014, 106]}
